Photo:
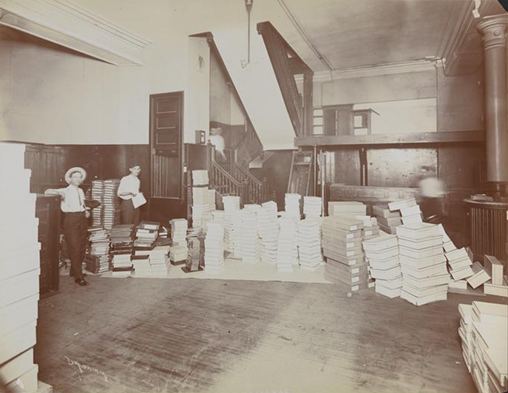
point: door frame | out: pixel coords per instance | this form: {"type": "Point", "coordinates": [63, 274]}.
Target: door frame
{"type": "Point", "coordinates": [153, 97]}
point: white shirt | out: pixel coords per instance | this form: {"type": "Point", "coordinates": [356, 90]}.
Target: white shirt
{"type": "Point", "coordinates": [129, 183]}
{"type": "Point", "coordinates": [74, 199]}
{"type": "Point", "coordinates": [432, 187]}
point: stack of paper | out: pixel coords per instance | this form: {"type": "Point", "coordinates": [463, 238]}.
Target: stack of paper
{"type": "Point", "coordinates": [236, 232]}
{"type": "Point", "coordinates": [178, 254]}
{"type": "Point", "coordinates": [482, 330]}
{"type": "Point", "coordinates": [479, 277]}
{"type": "Point", "coordinates": [425, 277]}
{"type": "Point", "coordinates": [97, 195]}
{"type": "Point", "coordinates": [159, 258]}
{"type": "Point", "coordinates": [292, 206]}
{"type": "Point", "coordinates": [449, 246]}
{"type": "Point", "coordinates": [98, 258]}
{"type": "Point", "coordinates": [146, 235]}
{"type": "Point", "coordinates": [122, 265]}
{"type": "Point", "coordinates": [498, 285]}
{"type": "Point", "coordinates": [268, 232]}
{"type": "Point", "coordinates": [459, 263]}
{"type": "Point", "coordinates": [287, 246]}
{"type": "Point", "coordinates": [382, 253]}
{"type": "Point", "coordinates": [248, 237]}
{"type": "Point", "coordinates": [201, 214]}
{"type": "Point", "coordinates": [309, 244]}
{"type": "Point", "coordinates": [370, 227]}
{"type": "Point", "coordinates": [19, 272]}
{"type": "Point", "coordinates": [111, 204]}
{"type": "Point", "coordinates": [196, 252]}
{"type": "Point", "coordinates": [214, 248]}
{"type": "Point", "coordinates": [347, 208]}
{"type": "Point", "coordinates": [411, 214]}
{"type": "Point", "coordinates": [386, 219]}
{"type": "Point", "coordinates": [142, 267]}
{"type": "Point", "coordinates": [200, 177]}
{"type": "Point", "coordinates": [122, 236]}
{"type": "Point", "coordinates": [342, 247]}
{"type": "Point", "coordinates": [231, 205]}
{"type": "Point", "coordinates": [179, 228]}
{"type": "Point", "coordinates": [312, 206]}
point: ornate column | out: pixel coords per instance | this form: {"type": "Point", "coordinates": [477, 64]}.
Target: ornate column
{"type": "Point", "coordinates": [494, 31]}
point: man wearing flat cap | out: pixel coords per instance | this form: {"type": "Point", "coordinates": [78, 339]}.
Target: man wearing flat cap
{"type": "Point", "coordinates": [75, 220]}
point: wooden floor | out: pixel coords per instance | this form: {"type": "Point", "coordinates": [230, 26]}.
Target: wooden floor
{"type": "Point", "coordinates": [188, 335]}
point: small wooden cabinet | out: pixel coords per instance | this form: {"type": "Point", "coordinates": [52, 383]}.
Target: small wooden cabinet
{"type": "Point", "coordinates": [48, 213]}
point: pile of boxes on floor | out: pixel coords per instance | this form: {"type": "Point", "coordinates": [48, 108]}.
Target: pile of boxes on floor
{"type": "Point", "coordinates": [483, 332]}
{"type": "Point", "coordinates": [410, 259]}
{"type": "Point", "coordinates": [19, 273]}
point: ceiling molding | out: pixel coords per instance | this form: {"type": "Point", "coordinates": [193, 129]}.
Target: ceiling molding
{"type": "Point", "coordinates": [66, 24]}
{"type": "Point", "coordinates": [457, 32]}
{"type": "Point", "coordinates": [374, 70]}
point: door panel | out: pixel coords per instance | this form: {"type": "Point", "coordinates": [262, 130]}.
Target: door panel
{"type": "Point", "coordinates": [166, 132]}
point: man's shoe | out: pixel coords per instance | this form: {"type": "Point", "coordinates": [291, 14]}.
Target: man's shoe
{"type": "Point", "coordinates": [81, 282]}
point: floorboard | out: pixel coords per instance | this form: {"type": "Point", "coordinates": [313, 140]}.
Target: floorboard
{"type": "Point", "coordinates": [189, 335]}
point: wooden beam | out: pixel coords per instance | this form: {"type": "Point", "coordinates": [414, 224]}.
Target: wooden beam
{"type": "Point", "coordinates": [395, 139]}
{"type": "Point", "coordinates": [308, 115]}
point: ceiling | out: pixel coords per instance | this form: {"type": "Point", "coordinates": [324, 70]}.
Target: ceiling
{"type": "Point", "coordinates": [362, 33]}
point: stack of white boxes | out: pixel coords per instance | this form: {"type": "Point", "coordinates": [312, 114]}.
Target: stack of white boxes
{"type": "Point", "coordinates": [19, 272]}
{"type": "Point", "coordinates": [483, 328]}
{"type": "Point", "coordinates": [214, 248]}
{"type": "Point", "coordinates": [459, 264]}
{"type": "Point", "coordinates": [287, 246]}
{"type": "Point", "coordinates": [309, 244]}
{"type": "Point", "coordinates": [231, 205]}
{"type": "Point", "coordinates": [425, 277]}
{"type": "Point", "coordinates": [159, 258]}
{"type": "Point", "coordinates": [382, 253]}
{"type": "Point", "coordinates": [411, 214]}
{"type": "Point", "coordinates": [268, 231]}
{"type": "Point", "coordinates": [312, 206]}
{"type": "Point", "coordinates": [179, 228]}
{"type": "Point", "coordinates": [203, 199]}
{"type": "Point", "coordinates": [249, 240]}
{"type": "Point", "coordinates": [349, 209]}
{"type": "Point", "coordinates": [292, 206]}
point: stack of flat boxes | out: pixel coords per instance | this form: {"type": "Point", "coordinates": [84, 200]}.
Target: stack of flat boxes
{"type": "Point", "coordinates": [483, 330]}
{"type": "Point", "coordinates": [382, 253]}
{"type": "Point", "coordinates": [268, 231]}
{"type": "Point", "coordinates": [203, 199]}
{"type": "Point", "coordinates": [498, 285]}
{"type": "Point", "coordinates": [19, 272]}
{"type": "Point", "coordinates": [159, 261]}
{"type": "Point", "coordinates": [179, 250]}
{"type": "Point", "coordinates": [231, 205]}
{"type": "Point", "coordinates": [214, 248]}
{"type": "Point", "coordinates": [387, 220]}
{"type": "Point", "coordinates": [449, 246]}
{"type": "Point", "coordinates": [249, 239]}
{"type": "Point", "coordinates": [459, 264]}
{"type": "Point", "coordinates": [121, 249]}
{"type": "Point", "coordinates": [347, 208]}
{"type": "Point", "coordinates": [309, 244]}
{"type": "Point", "coordinates": [111, 212]}
{"type": "Point", "coordinates": [425, 277]}
{"type": "Point", "coordinates": [292, 206]}
{"type": "Point", "coordinates": [312, 206]}
{"type": "Point", "coordinates": [98, 259]}
{"type": "Point", "coordinates": [342, 248]}
{"type": "Point", "coordinates": [287, 246]}
{"type": "Point", "coordinates": [370, 231]}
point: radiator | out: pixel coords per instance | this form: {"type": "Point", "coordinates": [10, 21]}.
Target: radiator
{"type": "Point", "coordinates": [488, 233]}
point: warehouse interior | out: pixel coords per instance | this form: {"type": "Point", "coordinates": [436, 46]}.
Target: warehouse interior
{"type": "Point", "coordinates": [321, 190]}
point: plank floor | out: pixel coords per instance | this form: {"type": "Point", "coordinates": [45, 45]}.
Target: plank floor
{"type": "Point", "coordinates": [189, 335]}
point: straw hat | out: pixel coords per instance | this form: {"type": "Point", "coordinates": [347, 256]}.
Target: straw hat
{"type": "Point", "coordinates": [72, 170]}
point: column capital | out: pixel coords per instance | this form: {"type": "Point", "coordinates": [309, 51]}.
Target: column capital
{"type": "Point", "coordinates": [493, 29]}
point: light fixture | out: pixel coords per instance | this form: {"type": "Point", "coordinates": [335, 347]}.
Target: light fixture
{"type": "Point", "coordinates": [248, 6]}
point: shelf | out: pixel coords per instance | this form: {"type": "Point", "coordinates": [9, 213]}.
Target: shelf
{"type": "Point", "coordinates": [395, 139]}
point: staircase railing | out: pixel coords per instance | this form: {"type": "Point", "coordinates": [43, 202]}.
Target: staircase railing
{"type": "Point", "coordinates": [223, 182]}
{"type": "Point", "coordinates": [257, 190]}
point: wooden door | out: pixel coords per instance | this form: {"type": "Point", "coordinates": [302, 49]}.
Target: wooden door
{"type": "Point", "coordinates": [166, 134]}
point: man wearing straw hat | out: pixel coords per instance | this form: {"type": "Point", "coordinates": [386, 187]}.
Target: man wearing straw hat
{"type": "Point", "coordinates": [75, 220]}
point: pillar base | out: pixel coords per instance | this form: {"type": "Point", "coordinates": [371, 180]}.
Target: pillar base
{"type": "Point", "coordinates": [497, 189]}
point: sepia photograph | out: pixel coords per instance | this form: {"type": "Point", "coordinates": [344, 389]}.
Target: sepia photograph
{"type": "Point", "coordinates": [253, 196]}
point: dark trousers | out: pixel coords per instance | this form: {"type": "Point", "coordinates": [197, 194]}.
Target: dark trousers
{"type": "Point", "coordinates": [75, 232]}
{"type": "Point", "coordinates": [129, 214]}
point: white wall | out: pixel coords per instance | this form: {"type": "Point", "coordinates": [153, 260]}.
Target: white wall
{"type": "Point", "coordinates": [52, 95]}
